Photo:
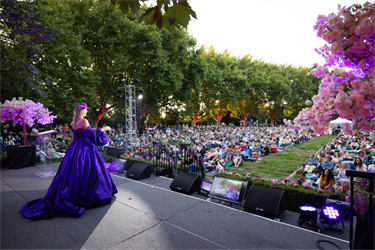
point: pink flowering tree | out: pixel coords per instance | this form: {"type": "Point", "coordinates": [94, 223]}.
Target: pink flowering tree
{"type": "Point", "coordinates": [348, 75]}
{"type": "Point", "coordinates": [25, 113]}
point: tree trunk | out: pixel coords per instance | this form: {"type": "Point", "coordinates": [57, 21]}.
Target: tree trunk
{"type": "Point", "coordinates": [93, 118]}
{"type": "Point", "coordinates": [24, 135]}
{"type": "Point", "coordinates": [166, 119]}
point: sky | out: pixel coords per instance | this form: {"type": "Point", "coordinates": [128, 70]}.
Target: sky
{"type": "Point", "coordinates": [276, 31]}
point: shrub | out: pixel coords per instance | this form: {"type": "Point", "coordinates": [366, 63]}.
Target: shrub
{"type": "Point", "coordinates": [294, 196]}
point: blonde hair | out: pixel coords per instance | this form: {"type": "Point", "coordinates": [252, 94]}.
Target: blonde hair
{"type": "Point", "coordinates": [345, 164]}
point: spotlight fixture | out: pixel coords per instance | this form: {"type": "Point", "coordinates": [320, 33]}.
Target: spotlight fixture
{"type": "Point", "coordinates": [140, 94]}
{"type": "Point", "coordinates": [308, 214]}
{"type": "Point", "coordinates": [120, 93]}
{"type": "Point", "coordinates": [330, 216]}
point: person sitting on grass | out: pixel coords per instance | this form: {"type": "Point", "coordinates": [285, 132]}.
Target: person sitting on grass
{"type": "Point", "coordinates": [326, 180]}
{"type": "Point", "coordinates": [52, 152]}
{"type": "Point", "coordinates": [265, 150]}
{"type": "Point", "coordinates": [311, 163]}
{"type": "Point", "coordinates": [359, 165]}
{"type": "Point", "coordinates": [302, 178]}
{"type": "Point", "coordinates": [341, 171]}
{"type": "Point", "coordinates": [327, 164]}
{"type": "Point", "coordinates": [336, 159]}
{"type": "Point", "coordinates": [321, 157]}
{"type": "Point", "coordinates": [62, 147]}
{"type": "Point", "coordinates": [211, 154]}
{"type": "Point", "coordinates": [218, 154]}
{"type": "Point", "coordinates": [237, 158]}
{"type": "Point", "coordinates": [345, 186]}
{"type": "Point", "coordinates": [41, 154]}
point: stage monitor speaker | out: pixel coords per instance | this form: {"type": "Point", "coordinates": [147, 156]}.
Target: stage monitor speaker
{"type": "Point", "coordinates": [107, 159]}
{"type": "Point", "coordinates": [129, 163]}
{"type": "Point", "coordinates": [186, 183]}
{"type": "Point", "coordinates": [139, 171]}
{"type": "Point", "coordinates": [264, 200]}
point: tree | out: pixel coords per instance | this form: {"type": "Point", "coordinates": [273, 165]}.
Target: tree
{"type": "Point", "coordinates": [22, 30]}
{"type": "Point", "coordinates": [165, 14]}
{"type": "Point", "coordinates": [97, 46]}
{"type": "Point", "coordinates": [348, 90]}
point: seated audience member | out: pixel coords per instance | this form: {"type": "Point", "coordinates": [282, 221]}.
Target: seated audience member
{"type": "Point", "coordinates": [341, 171]}
{"type": "Point", "coordinates": [241, 146]}
{"type": "Point", "coordinates": [237, 158]}
{"type": "Point", "coordinates": [326, 180]}
{"type": "Point", "coordinates": [59, 136]}
{"type": "Point", "coordinates": [62, 147]}
{"type": "Point", "coordinates": [247, 151]}
{"type": "Point", "coordinates": [336, 158]}
{"type": "Point", "coordinates": [41, 154]}
{"type": "Point", "coordinates": [359, 165]}
{"type": "Point", "coordinates": [371, 165]}
{"type": "Point", "coordinates": [55, 142]}
{"type": "Point", "coordinates": [345, 186]}
{"type": "Point", "coordinates": [51, 152]}
{"type": "Point", "coordinates": [7, 138]}
{"type": "Point", "coordinates": [298, 182]}
{"type": "Point", "coordinates": [354, 145]}
{"type": "Point", "coordinates": [302, 178]}
{"type": "Point", "coordinates": [321, 157]}
{"type": "Point", "coordinates": [273, 148]}
{"type": "Point", "coordinates": [218, 154]}
{"type": "Point", "coordinates": [327, 164]}
{"type": "Point", "coordinates": [311, 163]}
{"type": "Point", "coordinates": [265, 150]}
{"type": "Point", "coordinates": [211, 154]}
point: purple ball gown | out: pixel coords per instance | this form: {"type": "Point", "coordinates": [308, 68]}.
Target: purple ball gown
{"type": "Point", "coordinates": [82, 180]}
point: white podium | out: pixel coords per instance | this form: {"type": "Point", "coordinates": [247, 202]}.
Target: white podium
{"type": "Point", "coordinates": [45, 170]}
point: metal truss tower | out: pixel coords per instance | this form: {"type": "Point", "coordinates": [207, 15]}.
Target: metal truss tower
{"type": "Point", "coordinates": [130, 110]}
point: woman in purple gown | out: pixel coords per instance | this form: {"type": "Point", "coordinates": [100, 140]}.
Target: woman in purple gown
{"type": "Point", "coordinates": [82, 180]}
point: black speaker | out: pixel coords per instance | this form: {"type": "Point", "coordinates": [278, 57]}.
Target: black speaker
{"type": "Point", "coordinates": [120, 152]}
{"type": "Point", "coordinates": [129, 163]}
{"type": "Point", "coordinates": [264, 200]}
{"type": "Point", "coordinates": [139, 171]}
{"type": "Point", "coordinates": [186, 183]}
{"type": "Point", "coordinates": [107, 159]}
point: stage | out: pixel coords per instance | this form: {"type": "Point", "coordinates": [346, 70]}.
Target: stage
{"type": "Point", "coordinates": [148, 215]}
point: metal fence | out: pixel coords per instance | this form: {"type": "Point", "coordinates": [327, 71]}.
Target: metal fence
{"type": "Point", "coordinates": [168, 162]}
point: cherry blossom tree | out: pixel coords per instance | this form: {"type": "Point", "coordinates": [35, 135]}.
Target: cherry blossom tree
{"type": "Point", "coordinates": [25, 113]}
{"type": "Point", "coordinates": [348, 75]}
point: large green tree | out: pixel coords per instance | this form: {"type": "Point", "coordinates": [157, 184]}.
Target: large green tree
{"type": "Point", "coordinates": [22, 30]}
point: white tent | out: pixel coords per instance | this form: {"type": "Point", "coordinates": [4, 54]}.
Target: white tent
{"type": "Point", "coordinates": [339, 121]}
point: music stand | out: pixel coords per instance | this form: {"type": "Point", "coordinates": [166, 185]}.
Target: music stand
{"type": "Point", "coordinates": [45, 171]}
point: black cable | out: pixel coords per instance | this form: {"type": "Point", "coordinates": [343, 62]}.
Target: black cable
{"type": "Point", "coordinates": [326, 241]}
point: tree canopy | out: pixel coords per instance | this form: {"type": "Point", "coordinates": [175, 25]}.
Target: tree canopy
{"type": "Point", "coordinates": [88, 46]}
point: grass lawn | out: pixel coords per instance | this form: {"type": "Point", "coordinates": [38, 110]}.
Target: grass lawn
{"type": "Point", "coordinates": [278, 166]}
{"type": "Point", "coordinates": [283, 163]}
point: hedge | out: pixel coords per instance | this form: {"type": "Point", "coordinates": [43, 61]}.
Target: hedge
{"type": "Point", "coordinates": [294, 196]}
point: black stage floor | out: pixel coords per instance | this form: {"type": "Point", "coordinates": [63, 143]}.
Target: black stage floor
{"type": "Point", "coordinates": [148, 215]}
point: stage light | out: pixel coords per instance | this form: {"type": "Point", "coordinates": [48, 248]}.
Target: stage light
{"type": "Point", "coordinates": [119, 93]}
{"type": "Point", "coordinates": [308, 214]}
{"type": "Point", "coordinates": [140, 94]}
{"type": "Point", "coordinates": [330, 216]}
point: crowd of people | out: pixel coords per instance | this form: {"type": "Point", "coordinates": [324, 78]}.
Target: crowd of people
{"type": "Point", "coordinates": [328, 169]}
{"type": "Point", "coordinates": [218, 145]}
{"type": "Point", "coordinates": [222, 146]}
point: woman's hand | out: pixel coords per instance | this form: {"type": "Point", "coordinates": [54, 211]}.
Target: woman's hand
{"type": "Point", "coordinates": [106, 128]}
